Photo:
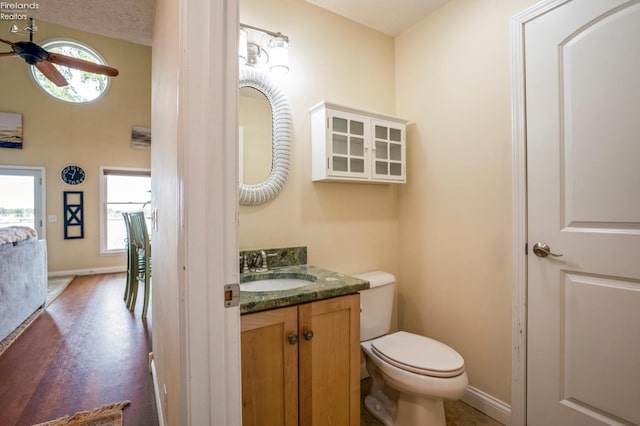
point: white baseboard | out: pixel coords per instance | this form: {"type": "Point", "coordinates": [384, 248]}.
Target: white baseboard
{"type": "Point", "coordinates": [487, 404]}
{"type": "Point", "coordinates": [92, 271]}
{"type": "Point", "coordinates": [156, 389]}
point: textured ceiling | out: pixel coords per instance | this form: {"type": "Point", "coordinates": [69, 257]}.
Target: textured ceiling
{"type": "Point", "coordinates": [130, 20]}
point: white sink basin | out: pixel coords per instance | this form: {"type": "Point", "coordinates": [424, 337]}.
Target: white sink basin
{"type": "Point", "coordinates": [276, 284]}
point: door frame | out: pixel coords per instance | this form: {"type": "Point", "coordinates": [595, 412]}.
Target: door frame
{"type": "Point", "coordinates": [207, 252]}
{"type": "Point", "coordinates": [519, 212]}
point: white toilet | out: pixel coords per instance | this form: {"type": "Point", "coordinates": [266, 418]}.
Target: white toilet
{"type": "Point", "coordinates": [411, 375]}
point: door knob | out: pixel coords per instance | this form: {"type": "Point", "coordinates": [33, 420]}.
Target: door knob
{"type": "Point", "coordinates": [293, 339]}
{"type": "Point", "coordinates": [543, 250]}
{"type": "Point", "coordinates": [308, 335]}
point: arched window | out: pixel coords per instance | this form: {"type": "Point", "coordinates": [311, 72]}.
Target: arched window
{"type": "Point", "coordinates": [83, 86]}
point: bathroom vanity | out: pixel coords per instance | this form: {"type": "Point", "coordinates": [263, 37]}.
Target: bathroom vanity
{"type": "Point", "coordinates": [301, 349]}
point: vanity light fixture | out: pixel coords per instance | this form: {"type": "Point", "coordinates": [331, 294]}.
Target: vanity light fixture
{"type": "Point", "coordinates": [259, 48]}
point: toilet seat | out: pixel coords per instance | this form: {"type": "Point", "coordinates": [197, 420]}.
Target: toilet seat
{"type": "Point", "coordinates": [418, 354]}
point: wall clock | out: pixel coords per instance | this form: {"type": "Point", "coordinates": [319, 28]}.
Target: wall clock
{"type": "Point", "coordinates": [73, 175]}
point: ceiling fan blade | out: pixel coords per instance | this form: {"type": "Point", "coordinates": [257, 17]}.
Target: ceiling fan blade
{"type": "Point", "coordinates": [51, 73]}
{"type": "Point", "coordinates": [10, 43]}
{"type": "Point", "coordinates": [82, 65]}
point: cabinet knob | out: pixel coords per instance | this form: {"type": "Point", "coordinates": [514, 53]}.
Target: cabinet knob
{"type": "Point", "coordinates": [308, 335]}
{"type": "Point", "coordinates": [293, 339]}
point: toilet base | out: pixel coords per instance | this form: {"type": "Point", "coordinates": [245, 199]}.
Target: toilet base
{"type": "Point", "coordinates": [420, 411]}
{"type": "Point", "coordinates": [377, 409]}
{"type": "Point", "coordinates": [397, 403]}
{"type": "Point", "coordinates": [395, 408]}
{"type": "Point", "coordinates": [408, 410]}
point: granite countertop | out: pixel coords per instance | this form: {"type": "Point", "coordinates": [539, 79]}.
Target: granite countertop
{"type": "Point", "coordinates": [325, 284]}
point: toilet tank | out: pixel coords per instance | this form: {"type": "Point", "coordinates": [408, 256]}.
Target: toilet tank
{"type": "Point", "coordinates": [376, 304]}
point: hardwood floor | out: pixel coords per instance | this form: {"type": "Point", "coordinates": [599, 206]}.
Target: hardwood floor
{"type": "Point", "coordinates": [85, 350]}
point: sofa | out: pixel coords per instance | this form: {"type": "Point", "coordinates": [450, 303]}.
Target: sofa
{"type": "Point", "coordinates": [23, 276]}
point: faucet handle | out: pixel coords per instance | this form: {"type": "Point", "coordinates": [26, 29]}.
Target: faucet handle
{"type": "Point", "coordinates": [245, 265]}
{"type": "Point", "coordinates": [265, 264]}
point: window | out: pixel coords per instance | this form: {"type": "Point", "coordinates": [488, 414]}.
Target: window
{"type": "Point", "coordinates": [123, 190]}
{"type": "Point", "coordinates": [22, 198]}
{"type": "Point", "coordinates": [83, 86]}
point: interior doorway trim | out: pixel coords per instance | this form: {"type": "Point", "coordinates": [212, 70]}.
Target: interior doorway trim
{"type": "Point", "coordinates": [519, 213]}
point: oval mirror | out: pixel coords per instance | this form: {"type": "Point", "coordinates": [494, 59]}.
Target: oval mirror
{"type": "Point", "coordinates": [255, 163]}
{"type": "Point", "coordinates": [255, 136]}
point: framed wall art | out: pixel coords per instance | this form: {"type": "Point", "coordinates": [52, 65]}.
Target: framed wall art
{"type": "Point", "coordinates": [141, 137]}
{"type": "Point", "coordinates": [10, 130]}
{"type": "Point", "coordinates": [73, 215]}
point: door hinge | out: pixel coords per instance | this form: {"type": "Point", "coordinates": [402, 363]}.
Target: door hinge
{"type": "Point", "coordinates": [231, 295]}
{"type": "Point", "coordinates": [526, 249]}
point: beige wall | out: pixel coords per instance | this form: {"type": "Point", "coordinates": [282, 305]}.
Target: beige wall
{"type": "Point", "coordinates": [347, 227]}
{"type": "Point", "coordinates": [98, 134]}
{"type": "Point", "coordinates": [446, 234]}
{"type": "Point", "coordinates": [453, 82]}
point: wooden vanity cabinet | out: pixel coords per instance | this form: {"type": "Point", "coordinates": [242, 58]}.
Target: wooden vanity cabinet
{"type": "Point", "coordinates": [301, 364]}
{"type": "Point", "coordinates": [269, 367]}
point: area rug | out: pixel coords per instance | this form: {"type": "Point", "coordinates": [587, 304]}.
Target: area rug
{"type": "Point", "coordinates": [55, 287]}
{"type": "Point", "coordinates": [107, 415]}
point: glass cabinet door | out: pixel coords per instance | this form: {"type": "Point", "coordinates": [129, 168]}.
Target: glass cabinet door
{"type": "Point", "coordinates": [388, 151]}
{"type": "Point", "coordinates": [347, 145]}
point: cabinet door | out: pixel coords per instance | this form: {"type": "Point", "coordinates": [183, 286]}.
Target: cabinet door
{"type": "Point", "coordinates": [347, 144]}
{"type": "Point", "coordinates": [269, 368]}
{"type": "Point", "coordinates": [330, 362]}
{"type": "Point", "coordinates": [388, 159]}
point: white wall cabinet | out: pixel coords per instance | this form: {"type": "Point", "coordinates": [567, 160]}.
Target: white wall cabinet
{"type": "Point", "coordinates": [350, 145]}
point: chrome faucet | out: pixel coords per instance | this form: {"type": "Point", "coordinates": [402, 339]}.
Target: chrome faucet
{"type": "Point", "coordinates": [260, 262]}
{"type": "Point", "coordinates": [257, 262]}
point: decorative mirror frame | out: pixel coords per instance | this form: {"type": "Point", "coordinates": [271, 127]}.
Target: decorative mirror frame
{"type": "Point", "coordinates": [260, 193]}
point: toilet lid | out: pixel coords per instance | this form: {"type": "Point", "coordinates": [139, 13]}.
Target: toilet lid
{"type": "Point", "coordinates": [418, 354]}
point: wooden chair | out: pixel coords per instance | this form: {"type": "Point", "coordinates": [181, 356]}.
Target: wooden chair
{"type": "Point", "coordinates": [132, 262]}
{"type": "Point", "coordinates": [143, 247]}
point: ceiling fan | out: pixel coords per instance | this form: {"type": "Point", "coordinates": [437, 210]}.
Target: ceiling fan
{"type": "Point", "coordinates": [44, 60]}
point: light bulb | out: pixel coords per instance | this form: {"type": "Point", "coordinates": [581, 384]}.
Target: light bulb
{"type": "Point", "coordinates": [242, 47]}
{"type": "Point", "coordinates": [279, 55]}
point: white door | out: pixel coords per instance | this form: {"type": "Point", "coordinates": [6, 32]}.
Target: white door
{"type": "Point", "coordinates": [582, 63]}
{"type": "Point", "coordinates": [22, 197]}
